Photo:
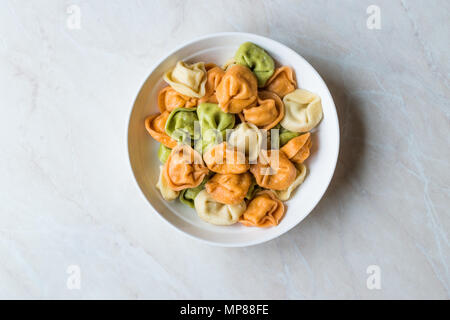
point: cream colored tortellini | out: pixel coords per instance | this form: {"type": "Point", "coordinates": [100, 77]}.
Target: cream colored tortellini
{"type": "Point", "coordinates": [188, 79]}
{"type": "Point", "coordinates": [285, 195]}
{"type": "Point", "coordinates": [167, 193]}
{"type": "Point", "coordinates": [303, 111]}
{"type": "Point", "coordinates": [217, 213]}
{"type": "Point", "coordinates": [248, 139]}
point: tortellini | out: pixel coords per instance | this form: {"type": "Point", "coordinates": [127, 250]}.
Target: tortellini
{"type": "Point", "coordinates": [303, 111]}
{"type": "Point", "coordinates": [267, 113]}
{"type": "Point", "coordinates": [265, 210]}
{"type": "Point", "coordinates": [213, 123]}
{"type": "Point", "coordinates": [248, 139]}
{"type": "Point", "coordinates": [229, 188]}
{"type": "Point", "coordinates": [217, 213]}
{"type": "Point", "coordinates": [180, 124]}
{"type": "Point", "coordinates": [282, 81]}
{"type": "Point", "coordinates": [184, 168]}
{"type": "Point", "coordinates": [285, 195]}
{"type": "Point", "coordinates": [214, 75]}
{"type": "Point", "coordinates": [187, 196]}
{"type": "Point", "coordinates": [237, 90]}
{"type": "Point", "coordinates": [285, 135]}
{"type": "Point", "coordinates": [187, 79]}
{"type": "Point", "coordinates": [169, 99]}
{"type": "Point", "coordinates": [253, 190]}
{"type": "Point", "coordinates": [298, 149]}
{"type": "Point", "coordinates": [273, 170]}
{"type": "Point", "coordinates": [163, 153]}
{"type": "Point", "coordinates": [258, 60]}
{"type": "Point", "coordinates": [167, 193]}
{"type": "Point", "coordinates": [222, 159]}
{"type": "Point", "coordinates": [155, 126]}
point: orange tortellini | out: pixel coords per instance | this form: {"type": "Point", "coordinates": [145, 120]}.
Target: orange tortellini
{"type": "Point", "coordinates": [264, 210]}
{"type": "Point", "coordinates": [282, 81]}
{"type": "Point", "coordinates": [237, 90]}
{"type": "Point", "coordinates": [169, 99]}
{"type": "Point", "coordinates": [285, 195]}
{"type": "Point", "coordinates": [273, 170]}
{"type": "Point", "coordinates": [214, 75]}
{"type": "Point", "coordinates": [224, 159]}
{"type": "Point", "coordinates": [156, 125]}
{"type": "Point", "coordinates": [229, 188]}
{"type": "Point", "coordinates": [267, 113]}
{"type": "Point", "coordinates": [184, 168]}
{"type": "Point", "coordinates": [298, 149]}
{"type": "Point", "coordinates": [247, 138]}
{"type": "Point", "coordinates": [220, 147]}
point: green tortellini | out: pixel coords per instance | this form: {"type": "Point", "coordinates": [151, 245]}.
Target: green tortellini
{"type": "Point", "coordinates": [286, 135]}
{"type": "Point", "coordinates": [254, 189]}
{"type": "Point", "coordinates": [258, 60]}
{"type": "Point", "coordinates": [213, 123]}
{"type": "Point", "coordinates": [187, 196]}
{"type": "Point", "coordinates": [163, 153]}
{"type": "Point", "coordinates": [180, 124]}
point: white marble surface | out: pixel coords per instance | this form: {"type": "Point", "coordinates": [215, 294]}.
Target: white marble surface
{"type": "Point", "coordinates": [68, 196]}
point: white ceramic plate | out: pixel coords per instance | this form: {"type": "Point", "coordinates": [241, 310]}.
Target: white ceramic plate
{"type": "Point", "coordinates": [218, 48]}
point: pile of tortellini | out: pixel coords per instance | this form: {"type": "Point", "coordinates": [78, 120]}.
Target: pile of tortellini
{"type": "Point", "coordinates": [233, 139]}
